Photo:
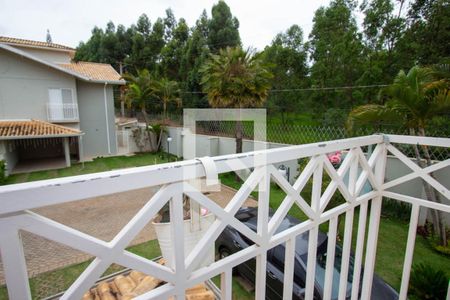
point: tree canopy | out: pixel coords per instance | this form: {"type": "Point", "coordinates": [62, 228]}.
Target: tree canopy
{"type": "Point", "coordinates": [340, 65]}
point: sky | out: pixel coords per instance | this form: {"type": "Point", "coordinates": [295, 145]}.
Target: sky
{"type": "Point", "coordinates": [71, 21]}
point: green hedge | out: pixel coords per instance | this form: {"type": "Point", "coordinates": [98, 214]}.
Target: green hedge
{"type": "Point", "coordinates": [2, 172]}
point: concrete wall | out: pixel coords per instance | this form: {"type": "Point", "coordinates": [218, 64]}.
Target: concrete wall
{"type": "Point", "coordinates": [214, 146]}
{"type": "Point", "coordinates": [9, 155]}
{"type": "Point", "coordinates": [24, 86]}
{"type": "Point", "coordinates": [91, 106]}
{"type": "Point", "coordinates": [54, 56]}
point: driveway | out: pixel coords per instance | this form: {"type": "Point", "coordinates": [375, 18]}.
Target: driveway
{"type": "Point", "coordinates": [102, 217]}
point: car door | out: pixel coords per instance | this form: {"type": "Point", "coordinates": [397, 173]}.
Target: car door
{"type": "Point", "coordinates": [247, 268]}
{"type": "Point", "coordinates": [275, 277]}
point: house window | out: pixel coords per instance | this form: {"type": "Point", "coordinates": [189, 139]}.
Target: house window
{"type": "Point", "coordinates": [61, 105]}
{"type": "Point", "coordinates": [60, 96]}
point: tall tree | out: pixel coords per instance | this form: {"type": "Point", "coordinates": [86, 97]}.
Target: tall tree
{"type": "Point", "coordinates": [428, 33]}
{"type": "Point", "coordinates": [415, 98]}
{"type": "Point", "coordinates": [90, 51]}
{"type": "Point", "coordinates": [196, 53]}
{"type": "Point", "coordinates": [223, 28]}
{"type": "Point", "coordinates": [382, 29]}
{"type": "Point", "coordinates": [173, 51]}
{"type": "Point", "coordinates": [235, 78]}
{"type": "Point", "coordinates": [286, 58]}
{"type": "Point", "coordinates": [336, 50]}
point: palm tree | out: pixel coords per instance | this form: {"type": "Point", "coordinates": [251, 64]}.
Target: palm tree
{"type": "Point", "coordinates": [166, 91]}
{"type": "Point", "coordinates": [235, 78]}
{"type": "Point", "coordinates": [413, 100]}
{"type": "Point", "coordinates": [139, 91]}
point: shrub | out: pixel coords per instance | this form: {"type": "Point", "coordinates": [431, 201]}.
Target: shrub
{"type": "Point", "coordinates": [396, 209]}
{"type": "Point", "coordinates": [427, 282]}
{"type": "Point", "coordinates": [3, 172]}
{"type": "Point", "coordinates": [334, 117]}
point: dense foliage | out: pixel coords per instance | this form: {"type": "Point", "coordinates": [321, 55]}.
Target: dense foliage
{"type": "Point", "coordinates": [2, 172]}
{"type": "Point", "coordinates": [428, 283]}
{"type": "Point", "coordinates": [340, 65]}
{"type": "Point", "coordinates": [412, 101]}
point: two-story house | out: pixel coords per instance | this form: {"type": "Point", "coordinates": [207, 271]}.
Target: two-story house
{"type": "Point", "coordinates": [52, 108]}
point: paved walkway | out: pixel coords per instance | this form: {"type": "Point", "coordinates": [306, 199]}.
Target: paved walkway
{"type": "Point", "coordinates": [102, 217]}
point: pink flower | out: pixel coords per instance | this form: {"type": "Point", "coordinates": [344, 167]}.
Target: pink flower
{"type": "Point", "coordinates": [335, 158]}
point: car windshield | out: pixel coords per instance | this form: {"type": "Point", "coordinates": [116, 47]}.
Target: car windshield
{"type": "Point", "coordinates": [320, 269]}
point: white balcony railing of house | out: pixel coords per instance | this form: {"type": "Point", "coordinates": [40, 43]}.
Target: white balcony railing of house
{"type": "Point", "coordinates": [58, 112]}
{"type": "Point", "coordinates": [174, 180]}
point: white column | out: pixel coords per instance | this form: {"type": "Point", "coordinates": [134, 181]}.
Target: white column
{"type": "Point", "coordinates": [66, 151]}
{"type": "Point", "coordinates": [80, 148]}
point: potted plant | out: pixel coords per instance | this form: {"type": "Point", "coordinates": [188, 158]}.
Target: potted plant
{"type": "Point", "coordinates": [193, 229]}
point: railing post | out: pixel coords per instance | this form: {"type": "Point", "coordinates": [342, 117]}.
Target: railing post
{"type": "Point", "coordinates": [346, 248]}
{"type": "Point", "coordinates": [226, 285]}
{"type": "Point", "coordinates": [331, 249]}
{"type": "Point", "coordinates": [289, 268]}
{"type": "Point", "coordinates": [263, 232]}
{"type": "Point", "coordinates": [375, 212]}
{"type": "Point", "coordinates": [409, 251]}
{"type": "Point", "coordinates": [177, 224]}
{"type": "Point", "coordinates": [313, 233]}
{"type": "Point", "coordinates": [13, 259]}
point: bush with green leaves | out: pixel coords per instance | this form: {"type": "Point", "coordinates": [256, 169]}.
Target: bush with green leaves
{"type": "Point", "coordinates": [334, 117]}
{"type": "Point", "coordinates": [396, 209]}
{"type": "Point", "coordinates": [2, 172]}
{"type": "Point", "coordinates": [427, 282]}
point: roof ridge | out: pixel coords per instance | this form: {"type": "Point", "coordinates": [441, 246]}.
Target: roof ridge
{"type": "Point", "coordinates": [86, 62]}
{"type": "Point", "coordinates": [55, 125]}
{"type": "Point", "coordinates": [20, 41]}
{"type": "Point", "coordinates": [34, 128]}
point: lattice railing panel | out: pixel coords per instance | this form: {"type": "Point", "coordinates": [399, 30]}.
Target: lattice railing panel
{"type": "Point", "coordinates": [356, 171]}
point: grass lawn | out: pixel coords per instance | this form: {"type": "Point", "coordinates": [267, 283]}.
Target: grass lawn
{"type": "Point", "coordinates": [97, 165]}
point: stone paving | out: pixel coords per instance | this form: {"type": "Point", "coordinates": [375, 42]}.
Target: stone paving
{"type": "Point", "coordinates": [102, 217]}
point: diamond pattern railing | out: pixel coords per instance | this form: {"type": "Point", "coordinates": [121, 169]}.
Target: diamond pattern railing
{"type": "Point", "coordinates": [175, 181]}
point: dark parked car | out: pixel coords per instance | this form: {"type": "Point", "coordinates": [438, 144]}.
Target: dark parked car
{"type": "Point", "coordinates": [231, 241]}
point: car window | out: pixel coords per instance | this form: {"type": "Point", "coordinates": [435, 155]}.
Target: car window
{"type": "Point", "coordinates": [278, 261]}
{"type": "Point", "coordinates": [320, 270]}
{"type": "Point", "coordinates": [278, 257]}
{"type": "Point", "coordinates": [248, 241]}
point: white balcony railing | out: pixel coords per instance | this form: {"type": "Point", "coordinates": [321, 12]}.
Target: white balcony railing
{"type": "Point", "coordinates": [62, 112]}
{"type": "Point", "coordinates": [174, 181]}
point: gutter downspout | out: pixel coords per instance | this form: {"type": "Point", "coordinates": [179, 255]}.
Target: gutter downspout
{"type": "Point", "coordinates": [106, 118]}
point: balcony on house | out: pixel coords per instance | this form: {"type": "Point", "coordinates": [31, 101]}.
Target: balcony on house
{"type": "Point", "coordinates": [62, 112]}
{"type": "Point", "coordinates": [364, 164]}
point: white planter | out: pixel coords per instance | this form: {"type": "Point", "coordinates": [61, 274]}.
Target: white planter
{"type": "Point", "coordinates": [191, 238]}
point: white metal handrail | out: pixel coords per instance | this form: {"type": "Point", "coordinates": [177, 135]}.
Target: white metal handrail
{"type": "Point", "coordinates": [62, 112]}
{"type": "Point", "coordinates": [174, 178]}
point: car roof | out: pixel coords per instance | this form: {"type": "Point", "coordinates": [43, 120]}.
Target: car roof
{"type": "Point", "coordinates": [249, 216]}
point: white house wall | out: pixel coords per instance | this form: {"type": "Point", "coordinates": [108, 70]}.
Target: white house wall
{"type": "Point", "coordinates": [54, 56]}
{"type": "Point", "coordinates": [91, 106]}
{"type": "Point", "coordinates": [24, 87]}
